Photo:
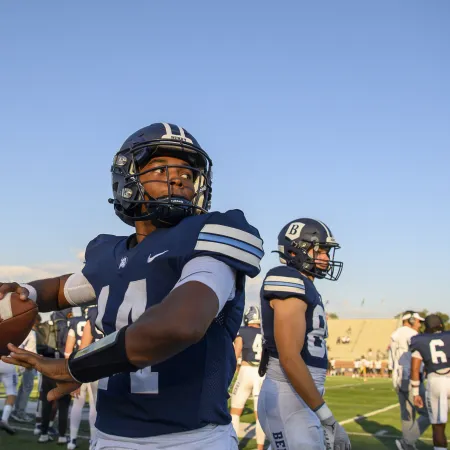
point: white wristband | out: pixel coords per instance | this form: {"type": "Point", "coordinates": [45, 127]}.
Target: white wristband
{"type": "Point", "coordinates": [32, 292]}
{"type": "Point", "coordinates": [323, 412]}
{"type": "Point", "coordinates": [415, 391]}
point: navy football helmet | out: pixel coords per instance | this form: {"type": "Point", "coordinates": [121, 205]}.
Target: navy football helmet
{"type": "Point", "coordinates": [131, 201]}
{"type": "Point", "coordinates": [252, 315]}
{"type": "Point", "coordinates": [298, 237]}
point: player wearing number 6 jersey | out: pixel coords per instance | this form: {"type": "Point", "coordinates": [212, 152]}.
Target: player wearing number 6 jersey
{"type": "Point", "coordinates": [170, 301]}
{"type": "Point", "coordinates": [248, 347]}
{"type": "Point", "coordinates": [433, 350]}
{"type": "Point", "coordinates": [291, 409]}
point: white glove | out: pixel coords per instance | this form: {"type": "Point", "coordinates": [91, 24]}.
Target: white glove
{"type": "Point", "coordinates": [335, 436]}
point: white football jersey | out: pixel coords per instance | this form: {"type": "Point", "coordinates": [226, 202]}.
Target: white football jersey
{"type": "Point", "coordinates": [401, 356]}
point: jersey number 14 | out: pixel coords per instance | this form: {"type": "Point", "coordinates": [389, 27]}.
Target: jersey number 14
{"type": "Point", "coordinates": [143, 381]}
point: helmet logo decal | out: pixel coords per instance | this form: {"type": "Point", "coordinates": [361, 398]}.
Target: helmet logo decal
{"type": "Point", "coordinates": [171, 134]}
{"type": "Point", "coordinates": [294, 230]}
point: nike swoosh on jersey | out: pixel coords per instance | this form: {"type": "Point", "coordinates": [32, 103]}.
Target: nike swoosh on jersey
{"type": "Point", "coordinates": [151, 258]}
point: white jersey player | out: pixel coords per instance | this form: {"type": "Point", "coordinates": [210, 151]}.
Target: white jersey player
{"type": "Point", "coordinates": [248, 347]}
{"type": "Point", "coordinates": [414, 421]}
{"type": "Point", "coordinates": [8, 376]}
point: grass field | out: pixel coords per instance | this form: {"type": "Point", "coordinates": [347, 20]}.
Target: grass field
{"type": "Point", "coordinates": [348, 398]}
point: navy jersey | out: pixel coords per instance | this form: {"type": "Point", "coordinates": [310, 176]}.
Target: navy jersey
{"type": "Point", "coordinates": [433, 349]}
{"type": "Point", "coordinates": [92, 313]}
{"type": "Point", "coordinates": [62, 329]}
{"type": "Point", "coordinates": [285, 282]}
{"type": "Point", "coordinates": [189, 390]}
{"type": "Point", "coordinates": [77, 324]}
{"type": "Point", "coordinates": [251, 344]}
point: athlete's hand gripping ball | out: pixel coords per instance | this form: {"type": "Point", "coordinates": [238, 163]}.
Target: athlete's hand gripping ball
{"type": "Point", "coordinates": [17, 315]}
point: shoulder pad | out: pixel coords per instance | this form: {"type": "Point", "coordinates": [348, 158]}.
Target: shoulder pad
{"type": "Point", "coordinates": [100, 240]}
{"type": "Point", "coordinates": [416, 340]}
{"type": "Point", "coordinates": [284, 282]}
{"type": "Point", "coordinates": [228, 237]}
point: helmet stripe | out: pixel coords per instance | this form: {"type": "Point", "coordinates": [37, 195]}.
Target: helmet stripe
{"type": "Point", "coordinates": [327, 230]}
{"type": "Point", "coordinates": [168, 128]}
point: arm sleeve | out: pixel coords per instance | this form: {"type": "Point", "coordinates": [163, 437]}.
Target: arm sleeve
{"type": "Point", "coordinates": [78, 291]}
{"type": "Point", "coordinates": [215, 274]}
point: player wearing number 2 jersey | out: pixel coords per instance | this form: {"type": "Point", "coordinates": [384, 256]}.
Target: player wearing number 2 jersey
{"type": "Point", "coordinates": [248, 347]}
{"type": "Point", "coordinates": [170, 301]}
{"type": "Point", "coordinates": [291, 408]}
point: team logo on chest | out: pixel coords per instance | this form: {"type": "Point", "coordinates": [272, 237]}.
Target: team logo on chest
{"type": "Point", "coordinates": [123, 262]}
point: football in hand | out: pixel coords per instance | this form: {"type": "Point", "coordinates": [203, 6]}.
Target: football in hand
{"type": "Point", "coordinates": [17, 318]}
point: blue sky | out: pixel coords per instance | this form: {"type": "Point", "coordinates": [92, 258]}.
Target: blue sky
{"type": "Point", "coordinates": [333, 110]}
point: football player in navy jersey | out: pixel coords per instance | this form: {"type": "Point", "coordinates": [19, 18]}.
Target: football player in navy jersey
{"type": "Point", "coordinates": [170, 301]}
{"type": "Point", "coordinates": [89, 335]}
{"type": "Point", "coordinates": [248, 348]}
{"type": "Point", "coordinates": [291, 409]}
{"type": "Point", "coordinates": [75, 332]}
{"type": "Point", "coordinates": [433, 350]}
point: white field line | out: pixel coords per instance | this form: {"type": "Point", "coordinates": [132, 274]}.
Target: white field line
{"type": "Point", "coordinates": [370, 414]}
{"type": "Point", "coordinates": [368, 383]}
{"type": "Point", "coordinates": [388, 436]}
{"type": "Point", "coordinates": [13, 425]}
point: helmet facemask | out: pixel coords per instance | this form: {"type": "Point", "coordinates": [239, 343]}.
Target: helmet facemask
{"type": "Point", "coordinates": [297, 256]}
{"type": "Point", "coordinates": [133, 201]}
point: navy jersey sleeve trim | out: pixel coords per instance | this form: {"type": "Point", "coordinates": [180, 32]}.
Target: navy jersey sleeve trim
{"type": "Point", "coordinates": [231, 242]}
{"type": "Point", "coordinates": [229, 238]}
{"type": "Point", "coordinates": [282, 283]}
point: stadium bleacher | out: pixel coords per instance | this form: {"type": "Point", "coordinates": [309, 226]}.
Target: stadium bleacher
{"type": "Point", "coordinates": [363, 334]}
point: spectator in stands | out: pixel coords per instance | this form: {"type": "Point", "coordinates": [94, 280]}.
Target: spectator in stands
{"type": "Point", "coordinates": [26, 385]}
{"type": "Point", "coordinates": [345, 339]}
{"type": "Point", "coordinates": [414, 421]}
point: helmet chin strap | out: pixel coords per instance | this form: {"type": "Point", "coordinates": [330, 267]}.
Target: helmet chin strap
{"type": "Point", "coordinates": [290, 261]}
{"type": "Point", "coordinates": [171, 213]}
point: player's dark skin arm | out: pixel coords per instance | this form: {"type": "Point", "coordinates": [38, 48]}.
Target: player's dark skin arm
{"type": "Point", "coordinates": [179, 321]}
{"type": "Point", "coordinates": [289, 329]}
{"type": "Point", "coordinates": [162, 331]}
{"type": "Point", "coordinates": [50, 293]}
